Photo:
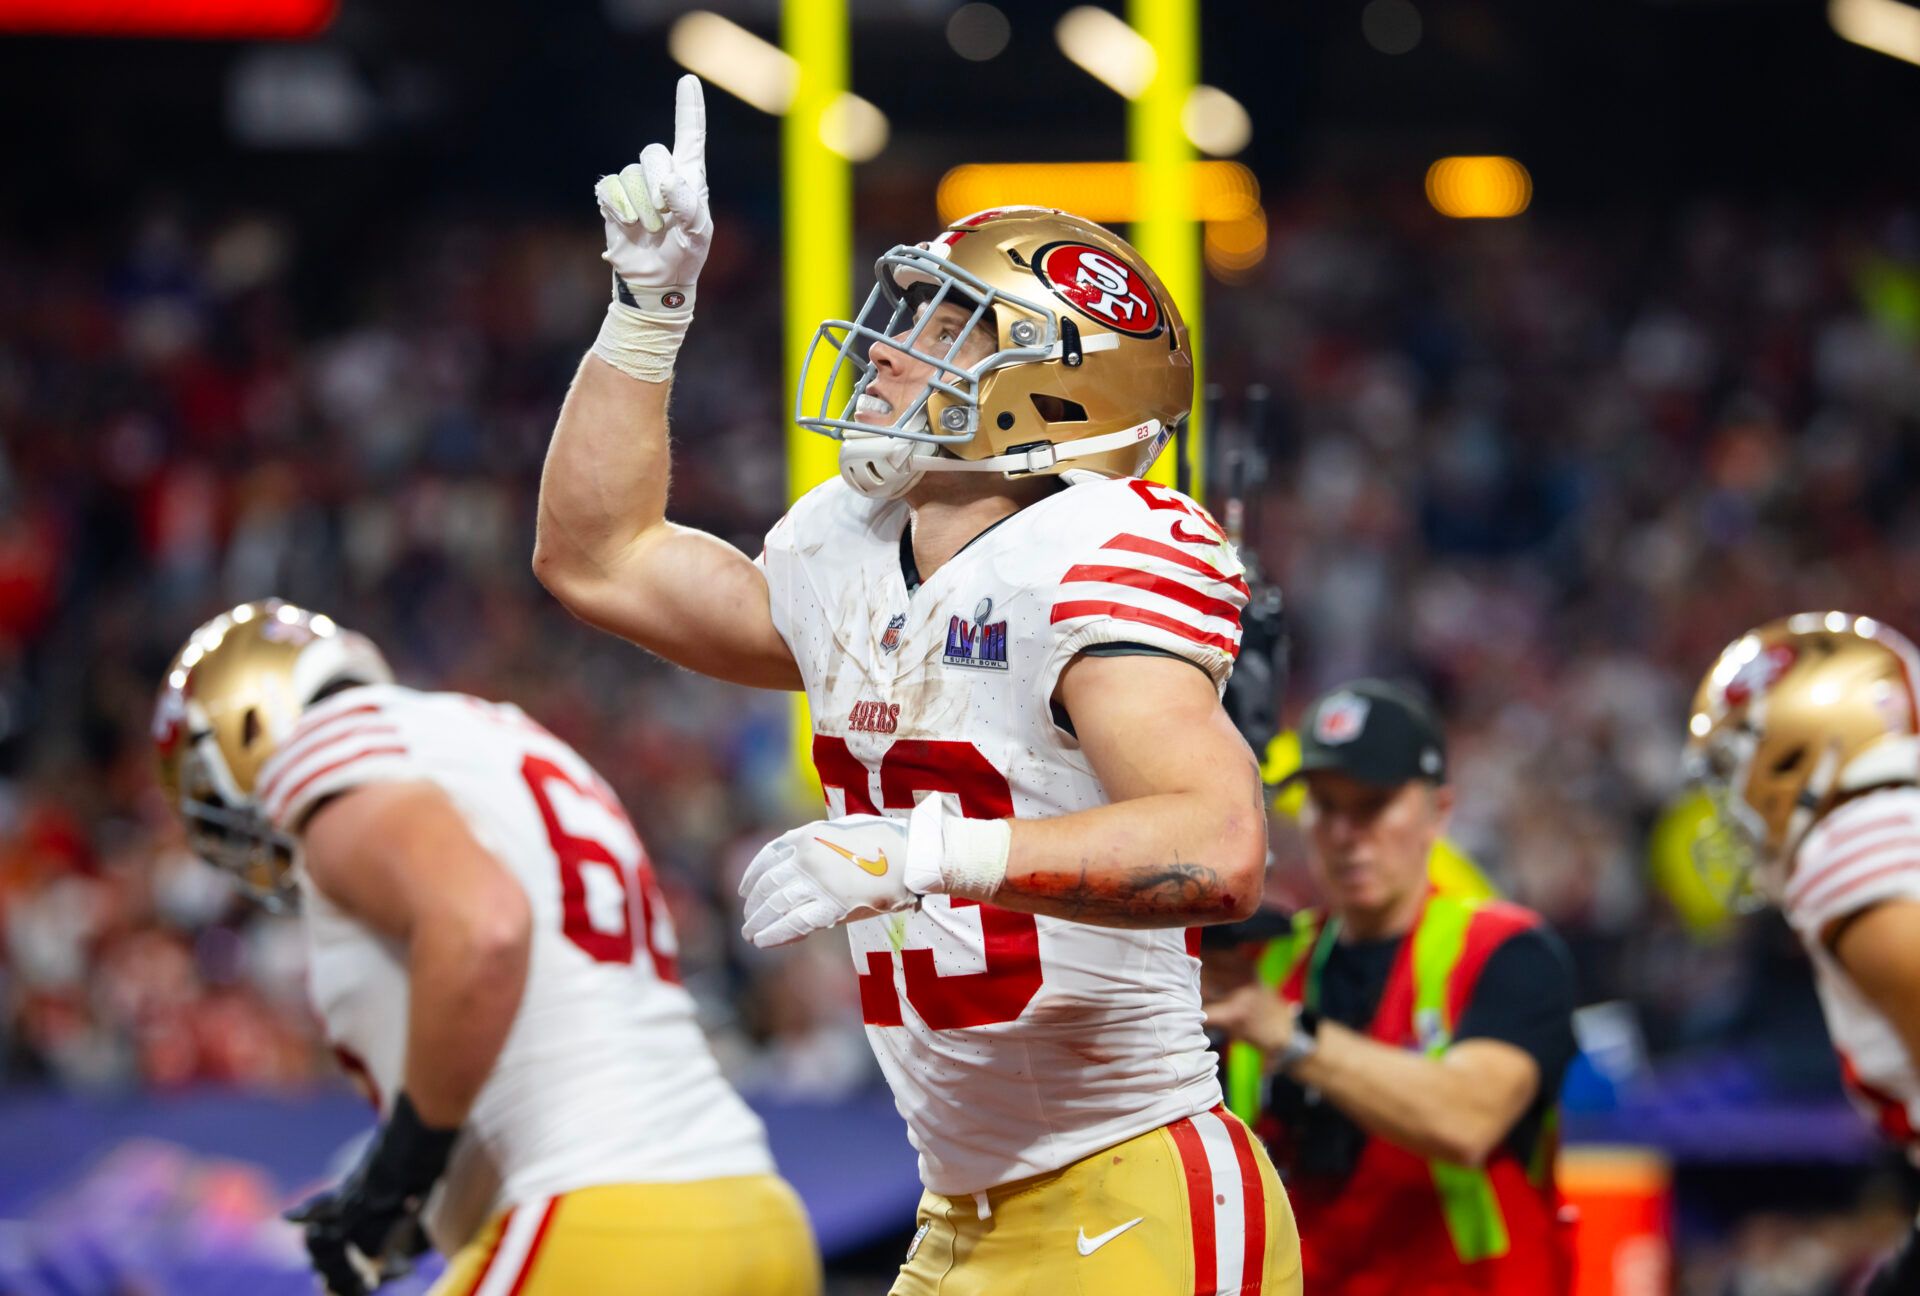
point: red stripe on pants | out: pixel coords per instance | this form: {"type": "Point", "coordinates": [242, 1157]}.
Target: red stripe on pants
{"type": "Point", "coordinates": [1193, 1159]}
{"type": "Point", "coordinates": [493, 1251]}
{"type": "Point", "coordinates": [533, 1249]}
{"type": "Point", "coordinates": [1253, 1199]}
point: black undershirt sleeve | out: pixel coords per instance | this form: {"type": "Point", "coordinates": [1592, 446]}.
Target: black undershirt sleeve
{"type": "Point", "coordinates": [1525, 997]}
{"type": "Point", "coordinates": [1064, 722]}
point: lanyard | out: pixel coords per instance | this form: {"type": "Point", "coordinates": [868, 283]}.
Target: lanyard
{"type": "Point", "coordinates": [1322, 951]}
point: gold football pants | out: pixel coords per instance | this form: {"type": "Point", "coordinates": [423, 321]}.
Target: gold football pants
{"type": "Point", "coordinates": [743, 1236]}
{"type": "Point", "coordinates": [1191, 1209]}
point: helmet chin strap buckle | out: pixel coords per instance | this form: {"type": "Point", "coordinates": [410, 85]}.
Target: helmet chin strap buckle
{"type": "Point", "coordinates": [1040, 456]}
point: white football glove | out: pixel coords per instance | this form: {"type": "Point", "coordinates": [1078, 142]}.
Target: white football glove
{"type": "Point", "coordinates": [835, 871]}
{"type": "Point", "coordinates": [823, 874]}
{"type": "Point", "coordinates": [659, 228]}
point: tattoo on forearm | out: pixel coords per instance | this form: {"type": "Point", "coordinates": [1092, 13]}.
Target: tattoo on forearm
{"type": "Point", "coordinates": [1145, 895]}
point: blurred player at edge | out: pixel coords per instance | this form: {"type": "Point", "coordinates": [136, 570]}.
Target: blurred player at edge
{"type": "Point", "coordinates": [490, 956]}
{"type": "Point", "coordinates": [1014, 674]}
{"type": "Point", "coordinates": [1806, 735]}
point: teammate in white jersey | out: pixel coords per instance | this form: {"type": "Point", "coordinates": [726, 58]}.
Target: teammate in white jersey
{"type": "Point", "coordinates": [1806, 732]}
{"type": "Point", "coordinates": [1013, 649]}
{"type": "Point", "coordinates": [491, 958]}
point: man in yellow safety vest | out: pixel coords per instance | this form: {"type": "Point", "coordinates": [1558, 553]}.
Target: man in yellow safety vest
{"type": "Point", "coordinates": [1406, 1044]}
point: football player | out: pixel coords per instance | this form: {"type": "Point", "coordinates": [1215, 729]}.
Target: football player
{"type": "Point", "coordinates": [1013, 648]}
{"type": "Point", "coordinates": [491, 959]}
{"type": "Point", "coordinates": [1806, 734]}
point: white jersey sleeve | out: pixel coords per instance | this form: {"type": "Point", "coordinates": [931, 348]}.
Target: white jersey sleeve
{"type": "Point", "coordinates": [1144, 564]}
{"type": "Point", "coordinates": [1865, 853]}
{"type": "Point", "coordinates": [354, 738]}
{"type": "Point", "coordinates": [797, 559]}
{"type": "Point", "coordinates": [775, 561]}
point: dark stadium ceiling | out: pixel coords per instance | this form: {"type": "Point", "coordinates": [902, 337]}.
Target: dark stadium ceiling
{"type": "Point", "coordinates": [1610, 101]}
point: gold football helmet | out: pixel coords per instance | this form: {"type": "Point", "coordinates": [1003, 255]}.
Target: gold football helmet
{"type": "Point", "coordinates": [1793, 716]}
{"type": "Point", "coordinates": [230, 698]}
{"type": "Point", "coordinates": [1090, 369]}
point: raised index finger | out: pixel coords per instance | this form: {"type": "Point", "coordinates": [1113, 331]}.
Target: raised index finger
{"type": "Point", "coordinates": [690, 129]}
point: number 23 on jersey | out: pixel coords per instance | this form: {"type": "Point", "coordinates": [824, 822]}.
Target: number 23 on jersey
{"type": "Point", "coordinates": [1009, 942]}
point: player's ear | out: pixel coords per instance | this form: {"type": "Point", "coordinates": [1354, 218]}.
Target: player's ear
{"type": "Point", "coordinates": [1440, 799]}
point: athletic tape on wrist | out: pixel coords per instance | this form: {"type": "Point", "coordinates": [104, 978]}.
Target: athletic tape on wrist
{"type": "Point", "coordinates": [974, 860]}
{"type": "Point", "coordinates": [952, 855]}
{"type": "Point", "coordinates": [640, 343]}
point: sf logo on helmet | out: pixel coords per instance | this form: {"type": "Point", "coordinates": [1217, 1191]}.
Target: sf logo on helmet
{"type": "Point", "coordinates": [1759, 674]}
{"type": "Point", "coordinates": [1100, 286]}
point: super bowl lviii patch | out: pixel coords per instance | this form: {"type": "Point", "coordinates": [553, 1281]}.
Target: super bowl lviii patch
{"type": "Point", "coordinates": [978, 642]}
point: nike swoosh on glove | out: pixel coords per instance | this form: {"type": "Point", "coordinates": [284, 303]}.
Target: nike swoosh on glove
{"type": "Point", "coordinates": [823, 874]}
{"type": "Point", "coordinates": [658, 223]}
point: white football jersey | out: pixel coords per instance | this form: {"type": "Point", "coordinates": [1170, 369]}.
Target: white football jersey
{"type": "Point", "coordinates": [605, 1076]}
{"type": "Point", "coordinates": [1015, 1045]}
{"type": "Point", "coordinates": [1864, 852]}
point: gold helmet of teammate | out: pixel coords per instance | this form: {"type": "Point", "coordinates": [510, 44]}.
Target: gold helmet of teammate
{"type": "Point", "coordinates": [230, 698]}
{"type": "Point", "coordinates": [1090, 367]}
{"type": "Point", "coordinates": [1793, 717]}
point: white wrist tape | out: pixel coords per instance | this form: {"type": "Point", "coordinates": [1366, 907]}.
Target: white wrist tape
{"type": "Point", "coordinates": [641, 343]}
{"type": "Point", "coordinates": [951, 855]}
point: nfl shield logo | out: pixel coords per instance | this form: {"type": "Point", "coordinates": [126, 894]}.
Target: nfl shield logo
{"type": "Point", "coordinates": [891, 639]}
{"type": "Point", "coordinates": [1342, 718]}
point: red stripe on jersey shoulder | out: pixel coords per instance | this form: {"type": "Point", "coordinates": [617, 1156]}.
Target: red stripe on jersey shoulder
{"type": "Point", "coordinates": [1193, 1161]}
{"type": "Point", "coordinates": [1161, 585]}
{"type": "Point", "coordinates": [1849, 885]}
{"type": "Point", "coordinates": [1905, 849]}
{"type": "Point", "coordinates": [293, 793]}
{"type": "Point", "coordinates": [1803, 883]}
{"type": "Point", "coordinates": [313, 723]}
{"type": "Point", "coordinates": [1853, 832]}
{"type": "Point", "coordinates": [1178, 557]}
{"type": "Point", "coordinates": [1253, 1203]}
{"type": "Point", "coordinates": [1127, 612]}
{"type": "Point", "coordinates": [287, 759]}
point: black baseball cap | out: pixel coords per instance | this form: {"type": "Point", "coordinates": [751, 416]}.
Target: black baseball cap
{"type": "Point", "coordinates": [1375, 732]}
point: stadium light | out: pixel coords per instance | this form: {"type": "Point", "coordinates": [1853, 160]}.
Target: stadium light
{"type": "Point", "coordinates": [1885, 26]}
{"type": "Point", "coordinates": [1225, 199]}
{"type": "Point", "coordinates": [1107, 49]}
{"type": "Point", "coordinates": [1233, 248]}
{"type": "Point", "coordinates": [723, 53]}
{"type": "Point", "coordinates": [756, 71]}
{"type": "Point", "coordinates": [1479, 188]}
{"type": "Point", "coordinates": [978, 32]}
{"type": "Point", "coordinates": [1216, 122]}
{"type": "Point", "coordinates": [1108, 192]}
{"type": "Point", "coordinates": [853, 128]}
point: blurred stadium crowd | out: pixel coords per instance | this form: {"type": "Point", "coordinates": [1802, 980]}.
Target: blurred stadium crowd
{"type": "Point", "coordinates": [1544, 468]}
